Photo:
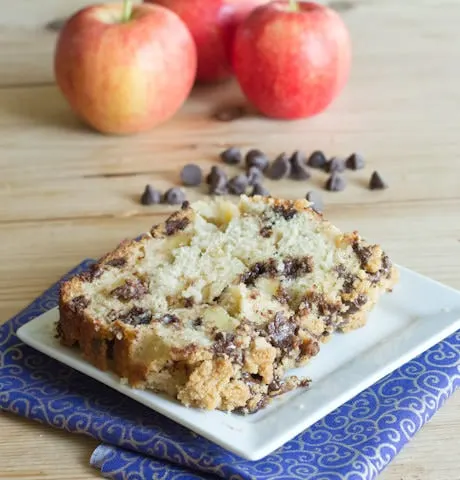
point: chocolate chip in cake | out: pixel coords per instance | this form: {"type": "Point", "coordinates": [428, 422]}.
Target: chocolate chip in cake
{"type": "Point", "coordinates": [169, 319]}
{"type": "Point", "coordinates": [355, 162]}
{"type": "Point", "coordinates": [137, 316]}
{"type": "Point", "coordinates": [376, 182]}
{"type": "Point", "coordinates": [185, 205]}
{"type": "Point", "coordinates": [335, 183]}
{"type": "Point", "coordinates": [150, 196]}
{"type": "Point", "coordinates": [281, 332]}
{"type": "Point", "coordinates": [259, 189]}
{"type": "Point", "coordinates": [217, 181]}
{"type": "Point", "coordinates": [298, 169]}
{"type": "Point", "coordinates": [280, 168]}
{"type": "Point", "coordinates": [117, 262]}
{"type": "Point", "coordinates": [132, 289]}
{"type": "Point", "coordinates": [316, 200]}
{"type": "Point", "coordinates": [198, 322]}
{"type": "Point", "coordinates": [256, 158]}
{"type": "Point", "coordinates": [225, 345]}
{"type": "Point", "coordinates": [297, 267]}
{"type": "Point", "coordinates": [189, 302]}
{"type": "Point", "coordinates": [78, 304]}
{"type": "Point", "coordinates": [335, 164]}
{"type": "Point", "coordinates": [309, 348]}
{"type": "Point", "coordinates": [191, 175]}
{"type": "Point", "coordinates": [317, 160]}
{"type": "Point", "coordinates": [356, 304]}
{"type": "Point", "coordinates": [174, 196]}
{"type": "Point", "coordinates": [266, 231]}
{"type": "Point", "coordinates": [231, 156]}
{"type": "Point", "coordinates": [229, 113]}
{"type": "Point", "coordinates": [175, 223]}
{"type": "Point", "coordinates": [257, 270]}
{"type": "Point", "coordinates": [237, 185]}
{"type": "Point", "coordinates": [286, 211]}
{"type": "Point", "coordinates": [254, 175]}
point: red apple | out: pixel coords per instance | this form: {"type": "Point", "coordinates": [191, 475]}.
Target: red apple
{"type": "Point", "coordinates": [212, 24]}
{"type": "Point", "coordinates": [123, 70]}
{"type": "Point", "coordinates": [292, 59]}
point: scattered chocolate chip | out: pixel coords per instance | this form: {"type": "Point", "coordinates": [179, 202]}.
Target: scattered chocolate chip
{"type": "Point", "coordinates": [174, 196]}
{"type": "Point", "coordinates": [256, 158]}
{"type": "Point", "coordinates": [117, 262]}
{"type": "Point", "coordinates": [355, 162]}
{"type": "Point", "coordinates": [231, 156]}
{"type": "Point", "coordinates": [56, 25]}
{"type": "Point", "coordinates": [280, 168]}
{"type": "Point", "coordinates": [137, 316]}
{"type": "Point", "coordinates": [298, 169]}
{"type": "Point", "coordinates": [175, 223]}
{"type": "Point", "coordinates": [130, 290]}
{"type": "Point", "coordinates": [316, 200]}
{"type": "Point", "coordinates": [266, 232]}
{"type": "Point", "coordinates": [185, 205]}
{"type": "Point", "coordinates": [376, 182]}
{"type": "Point", "coordinates": [257, 270]}
{"type": "Point", "coordinates": [189, 302]}
{"type": "Point", "coordinates": [191, 175]}
{"type": "Point", "coordinates": [259, 189]}
{"type": "Point", "coordinates": [78, 304]}
{"type": "Point", "coordinates": [254, 175]}
{"type": "Point", "coordinates": [286, 211]}
{"type": "Point", "coordinates": [335, 183]}
{"type": "Point", "coordinates": [309, 348]}
{"type": "Point", "coordinates": [237, 185]}
{"type": "Point", "coordinates": [150, 196]}
{"type": "Point", "coordinates": [217, 181]}
{"type": "Point", "coordinates": [356, 304]}
{"type": "Point", "coordinates": [228, 114]}
{"type": "Point", "coordinates": [363, 253]}
{"type": "Point", "coordinates": [335, 164]}
{"type": "Point", "coordinates": [317, 160]}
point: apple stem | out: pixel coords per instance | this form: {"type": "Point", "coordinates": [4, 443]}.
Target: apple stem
{"type": "Point", "coordinates": [293, 6]}
{"type": "Point", "coordinates": [127, 10]}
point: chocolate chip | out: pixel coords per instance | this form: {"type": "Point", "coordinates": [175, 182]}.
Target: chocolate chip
{"type": "Point", "coordinates": [286, 211]}
{"type": "Point", "coordinates": [256, 158]}
{"type": "Point", "coordinates": [281, 332]}
{"type": "Point", "coordinates": [266, 232]}
{"type": "Point", "coordinates": [356, 304]}
{"type": "Point", "coordinates": [225, 346]}
{"type": "Point", "coordinates": [231, 156]}
{"type": "Point", "coordinates": [298, 169]}
{"type": "Point", "coordinates": [335, 183]}
{"type": "Point", "coordinates": [185, 205]}
{"type": "Point", "coordinates": [228, 114]}
{"type": "Point", "coordinates": [78, 304]}
{"type": "Point", "coordinates": [355, 162]}
{"type": "Point", "coordinates": [217, 181]}
{"type": "Point", "coordinates": [130, 290]}
{"type": "Point", "coordinates": [255, 175]}
{"type": "Point", "coordinates": [174, 196]}
{"type": "Point", "coordinates": [189, 302]}
{"type": "Point", "coordinates": [257, 270]}
{"type": "Point", "coordinates": [150, 196]}
{"type": "Point", "coordinates": [280, 168]}
{"type": "Point", "coordinates": [309, 348]}
{"type": "Point", "coordinates": [169, 319]}
{"type": "Point", "coordinates": [376, 182]}
{"type": "Point", "coordinates": [317, 159]}
{"type": "Point", "coordinates": [237, 185]}
{"type": "Point", "coordinates": [296, 267]}
{"type": "Point", "coordinates": [175, 223]}
{"type": "Point", "coordinates": [198, 322]}
{"type": "Point", "coordinates": [316, 200]}
{"type": "Point", "coordinates": [191, 175]}
{"type": "Point", "coordinates": [335, 164]}
{"type": "Point", "coordinates": [117, 262]}
{"type": "Point", "coordinates": [137, 316]}
{"type": "Point", "coordinates": [259, 189]}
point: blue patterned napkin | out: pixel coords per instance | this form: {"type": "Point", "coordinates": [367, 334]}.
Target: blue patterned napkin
{"type": "Point", "coordinates": [355, 442]}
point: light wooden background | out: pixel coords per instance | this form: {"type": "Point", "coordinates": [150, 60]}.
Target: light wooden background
{"type": "Point", "coordinates": [67, 193]}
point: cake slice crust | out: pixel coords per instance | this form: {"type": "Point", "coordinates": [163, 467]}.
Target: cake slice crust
{"type": "Point", "coordinates": [216, 304]}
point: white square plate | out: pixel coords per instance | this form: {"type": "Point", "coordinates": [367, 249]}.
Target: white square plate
{"type": "Point", "coordinates": [418, 314]}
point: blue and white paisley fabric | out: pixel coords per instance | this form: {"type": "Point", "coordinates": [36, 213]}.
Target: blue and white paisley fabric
{"type": "Point", "coordinates": [355, 442]}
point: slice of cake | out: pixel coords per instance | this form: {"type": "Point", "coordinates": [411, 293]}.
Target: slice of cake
{"type": "Point", "coordinates": [214, 306]}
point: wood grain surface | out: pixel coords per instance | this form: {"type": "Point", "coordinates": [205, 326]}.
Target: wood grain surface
{"type": "Point", "coordinates": [68, 193]}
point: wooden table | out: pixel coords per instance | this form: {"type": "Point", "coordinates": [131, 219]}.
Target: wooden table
{"type": "Point", "coordinates": [67, 193]}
